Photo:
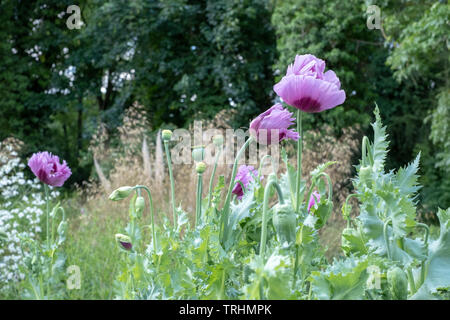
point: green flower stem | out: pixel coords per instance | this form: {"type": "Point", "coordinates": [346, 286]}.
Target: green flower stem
{"type": "Point", "coordinates": [294, 280]}
{"type": "Point", "coordinates": [172, 187]}
{"type": "Point", "coordinates": [411, 280]}
{"type": "Point", "coordinates": [149, 194]}
{"type": "Point", "coordinates": [345, 206]}
{"type": "Point", "coordinates": [211, 180]}
{"type": "Point", "coordinates": [427, 231]}
{"type": "Point", "coordinates": [271, 183]}
{"type": "Point", "coordinates": [198, 208]}
{"type": "Point", "coordinates": [299, 159]}
{"type": "Point", "coordinates": [261, 164]}
{"type": "Point", "coordinates": [423, 268]}
{"type": "Point", "coordinates": [46, 190]}
{"type": "Point", "coordinates": [226, 207]}
{"type": "Point", "coordinates": [386, 240]}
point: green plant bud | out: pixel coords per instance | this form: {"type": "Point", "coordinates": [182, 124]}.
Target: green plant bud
{"type": "Point", "coordinates": [398, 283]}
{"type": "Point", "coordinates": [285, 221]}
{"type": "Point", "coordinates": [198, 153]}
{"type": "Point", "coordinates": [218, 140]}
{"type": "Point", "coordinates": [121, 193]}
{"type": "Point", "coordinates": [166, 135]}
{"type": "Point", "coordinates": [124, 241]}
{"type": "Point", "coordinates": [201, 167]}
{"type": "Point", "coordinates": [139, 206]}
{"type": "Point", "coordinates": [62, 227]}
{"type": "Point", "coordinates": [365, 173]}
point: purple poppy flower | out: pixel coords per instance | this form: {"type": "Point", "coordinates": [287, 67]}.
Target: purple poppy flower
{"type": "Point", "coordinates": [48, 169]}
{"type": "Point", "coordinates": [276, 118]}
{"type": "Point", "coordinates": [315, 198]}
{"type": "Point", "coordinates": [245, 175]}
{"type": "Point", "coordinates": [306, 87]}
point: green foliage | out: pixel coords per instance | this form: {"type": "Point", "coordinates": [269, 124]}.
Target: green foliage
{"type": "Point", "coordinates": [438, 262]}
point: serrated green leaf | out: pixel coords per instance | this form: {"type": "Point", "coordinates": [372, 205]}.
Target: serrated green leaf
{"type": "Point", "coordinates": [438, 262]}
{"type": "Point", "coordinates": [344, 280]}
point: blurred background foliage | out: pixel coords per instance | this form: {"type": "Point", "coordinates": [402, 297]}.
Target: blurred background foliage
{"type": "Point", "coordinates": [189, 59]}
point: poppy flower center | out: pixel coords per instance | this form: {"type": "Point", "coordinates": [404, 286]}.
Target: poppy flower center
{"type": "Point", "coordinates": [307, 104]}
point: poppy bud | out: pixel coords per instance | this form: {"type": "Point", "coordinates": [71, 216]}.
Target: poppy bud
{"type": "Point", "coordinates": [285, 222]}
{"type": "Point", "coordinates": [121, 193]}
{"type": "Point", "coordinates": [124, 241]}
{"type": "Point", "coordinates": [201, 167]}
{"type": "Point", "coordinates": [62, 227]}
{"type": "Point", "coordinates": [166, 135]}
{"type": "Point", "coordinates": [139, 206]}
{"type": "Point", "coordinates": [198, 153]}
{"type": "Point", "coordinates": [218, 140]}
{"type": "Point", "coordinates": [398, 283]}
{"type": "Point", "coordinates": [365, 173]}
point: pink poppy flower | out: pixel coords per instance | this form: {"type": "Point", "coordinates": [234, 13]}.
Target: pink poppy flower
{"type": "Point", "coordinates": [315, 198]}
{"type": "Point", "coordinates": [276, 120]}
{"type": "Point", "coordinates": [47, 168]}
{"type": "Point", "coordinates": [245, 175]}
{"type": "Point", "coordinates": [306, 87]}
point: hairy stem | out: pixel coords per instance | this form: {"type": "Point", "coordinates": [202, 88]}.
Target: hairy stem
{"type": "Point", "coordinates": [149, 194]}
{"type": "Point", "coordinates": [226, 207]}
{"type": "Point", "coordinates": [272, 183]}
{"type": "Point", "coordinates": [386, 240]}
{"type": "Point", "coordinates": [211, 180]}
{"type": "Point", "coordinates": [198, 208]}
{"type": "Point", "coordinates": [172, 187]}
{"type": "Point", "coordinates": [299, 159]}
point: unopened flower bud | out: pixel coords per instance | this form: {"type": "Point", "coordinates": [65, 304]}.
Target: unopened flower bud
{"type": "Point", "coordinates": [62, 228]}
{"type": "Point", "coordinates": [124, 241]}
{"type": "Point", "coordinates": [139, 206]}
{"type": "Point", "coordinates": [398, 283]}
{"type": "Point", "coordinates": [201, 167]}
{"type": "Point", "coordinates": [365, 173]}
{"type": "Point", "coordinates": [198, 153]}
{"type": "Point", "coordinates": [284, 220]}
{"type": "Point", "coordinates": [166, 135]}
{"type": "Point", "coordinates": [121, 193]}
{"type": "Point", "coordinates": [218, 140]}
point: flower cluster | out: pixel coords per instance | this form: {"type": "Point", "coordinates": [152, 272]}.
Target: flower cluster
{"type": "Point", "coordinates": [21, 209]}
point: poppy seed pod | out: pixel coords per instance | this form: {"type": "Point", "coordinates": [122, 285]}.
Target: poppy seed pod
{"type": "Point", "coordinates": [218, 140]}
{"type": "Point", "coordinates": [166, 135]}
{"type": "Point", "coordinates": [201, 167]}
{"type": "Point", "coordinates": [139, 206]}
{"type": "Point", "coordinates": [198, 153]}
{"type": "Point", "coordinates": [398, 283]}
{"type": "Point", "coordinates": [124, 241]}
{"type": "Point", "coordinates": [285, 222]}
{"type": "Point", "coordinates": [121, 193]}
